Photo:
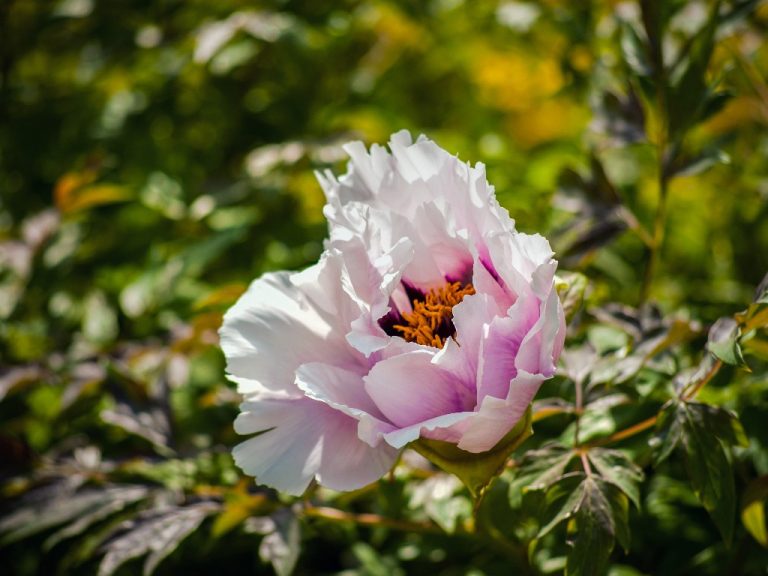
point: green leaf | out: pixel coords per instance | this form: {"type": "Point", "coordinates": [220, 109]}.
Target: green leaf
{"type": "Point", "coordinates": [635, 51]}
{"type": "Point", "coordinates": [690, 166]}
{"type": "Point", "coordinates": [761, 292]}
{"type": "Point", "coordinates": [617, 469]}
{"type": "Point", "coordinates": [437, 497]}
{"type": "Point", "coordinates": [594, 537]}
{"type": "Point", "coordinates": [698, 429]}
{"type": "Point", "coordinates": [570, 491]}
{"type": "Point", "coordinates": [539, 469]}
{"type": "Point", "coordinates": [475, 470]}
{"type": "Point", "coordinates": [690, 94]}
{"type": "Point", "coordinates": [600, 516]}
{"type": "Point", "coordinates": [669, 431]}
{"type": "Point", "coordinates": [571, 287]}
{"type": "Point", "coordinates": [753, 509]}
{"type": "Point", "coordinates": [712, 478]}
{"type": "Point", "coordinates": [723, 341]}
{"type": "Point", "coordinates": [620, 510]}
{"type": "Point", "coordinates": [721, 422]}
{"type": "Point", "coordinates": [119, 498]}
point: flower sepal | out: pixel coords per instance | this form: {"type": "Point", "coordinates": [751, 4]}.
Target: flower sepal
{"type": "Point", "coordinates": [476, 471]}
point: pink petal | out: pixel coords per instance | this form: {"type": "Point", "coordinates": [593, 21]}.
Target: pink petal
{"type": "Point", "coordinates": [460, 357]}
{"type": "Point", "coordinates": [500, 345]}
{"type": "Point", "coordinates": [344, 390]}
{"type": "Point", "coordinates": [409, 389]}
{"type": "Point", "coordinates": [543, 343]}
{"type": "Point", "coordinates": [438, 428]}
{"type": "Point", "coordinates": [498, 416]}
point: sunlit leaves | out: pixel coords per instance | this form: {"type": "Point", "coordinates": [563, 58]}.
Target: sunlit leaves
{"type": "Point", "coordinates": [155, 534]}
{"type": "Point", "coordinates": [724, 341]}
{"type": "Point", "coordinates": [753, 507]}
{"type": "Point", "coordinates": [281, 544]}
{"type": "Point", "coordinates": [588, 489]}
{"type": "Point", "coordinates": [571, 288]}
{"type": "Point", "coordinates": [79, 191]}
{"type": "Point", "coordinates": [60, 504]}
{"type": "Point", "coordinates": [539, 469]}
{"type": "Point", "coordinates": [441, 499]}
{"type": "Point", "coordinates": [618, 469]}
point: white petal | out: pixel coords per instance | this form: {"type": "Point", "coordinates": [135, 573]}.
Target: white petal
{"type": "Point", "coordinates": [304, 439]}
{"type": "Point", "coordinates": [272, 330]}
{"type": "Point", "coordinates": [287, 455]}
{"type": "Point", "coordinates": [347, 463]}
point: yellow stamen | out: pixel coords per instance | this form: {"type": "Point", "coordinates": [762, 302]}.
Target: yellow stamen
{"type": "Point", "coordinates": [430, 323]}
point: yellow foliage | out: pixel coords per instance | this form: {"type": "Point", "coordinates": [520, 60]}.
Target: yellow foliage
{"type": "Point", "coordinates": [514, 80]}
{"type": "Point", "coordinates": [304, 187]}
{"type": "Point", "coordinates": [75, 191]}
{"type": "Point", "coordinates": [546, 121]}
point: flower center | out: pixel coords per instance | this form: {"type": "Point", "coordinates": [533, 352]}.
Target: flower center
{"type": "Point", "coordinates": [431, 322]}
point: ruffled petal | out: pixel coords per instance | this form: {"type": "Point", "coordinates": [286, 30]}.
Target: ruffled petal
{"type": "Point", "coordinates": [501, 341]}
{"type": "Point", "coordinates": [542, 345]}
{"type": "Point", "coordinates": [460, 356]}
{"type": "Point", "coordinates": [287, 455]}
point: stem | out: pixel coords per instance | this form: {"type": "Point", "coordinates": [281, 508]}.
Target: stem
{"type": "Point", "coordinates": [585, 463]}
{"type": "Point", "coordinates": [547, 411]}
{"type": "Point", "coordinates": [662, 142]}
{"type": "Point", "coordinates": [658, 223]}
{"type": "Point", "coordinates": [579, 410]}
{"type": "Point", "coordinates": [627, 432]}
{"type": "Point", "coordinates": [693, 388]}
{"type": "Point", "coordinates": [335, 515]}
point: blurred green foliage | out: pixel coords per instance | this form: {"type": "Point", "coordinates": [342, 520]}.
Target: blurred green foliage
{"type": "Point", "coordinates": [156, 155]}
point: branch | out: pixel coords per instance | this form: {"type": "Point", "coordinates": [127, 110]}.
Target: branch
{"type": "Point", "coordinates": [688, 393]}
{"type": "Point", "coordinates": [335, 515]}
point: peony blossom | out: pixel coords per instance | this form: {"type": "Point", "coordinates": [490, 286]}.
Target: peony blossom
{"type": "Point", "coordinates": [427, 316]}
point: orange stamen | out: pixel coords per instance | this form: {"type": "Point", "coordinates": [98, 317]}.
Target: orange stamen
{"type": "Point", "coordinates": [430, 323]}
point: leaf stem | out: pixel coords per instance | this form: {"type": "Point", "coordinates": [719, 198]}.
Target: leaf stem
{"type": "Point", "coordinates": [627, 432]}
{"type": "Point", "coordinates": [693, 388]}
{"type": "Point", "coordinates": [659, 223]}
{"type": "Point", "coordinates": [688, 393]}
{"type": "Point", "coordinates": [585, 462]}
{"type": "Point", "coordinates": [662, 142]}
{"type": "Point", "coordinates": [335, 515]}
{"type": "Point", "coordinates": [579, 409]}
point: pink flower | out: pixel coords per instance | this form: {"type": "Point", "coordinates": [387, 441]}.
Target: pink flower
{"type": "Point", "coordinates": [428, 316]}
